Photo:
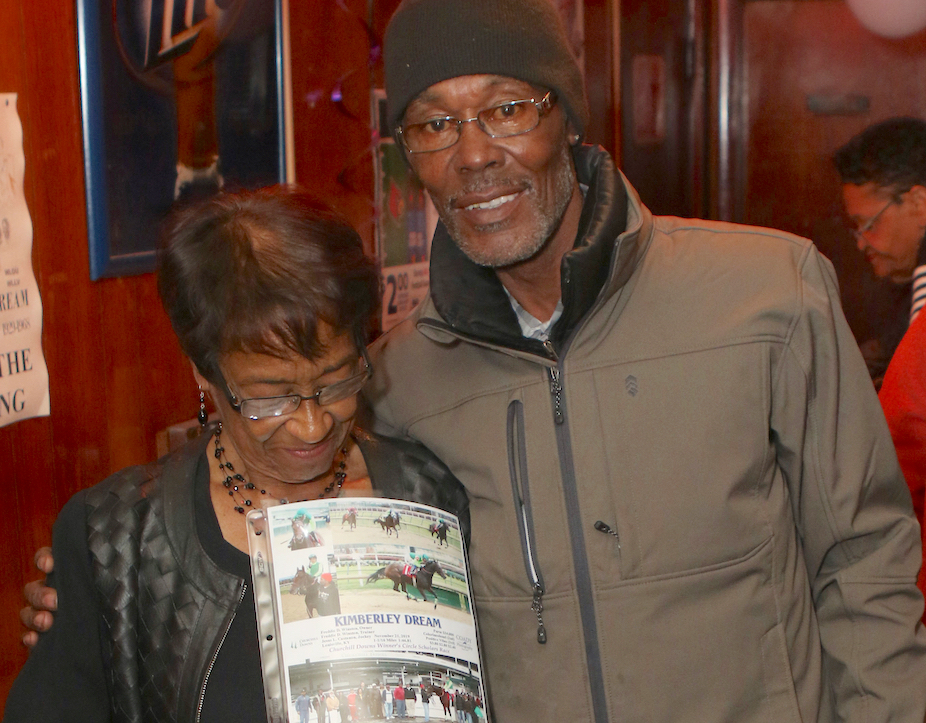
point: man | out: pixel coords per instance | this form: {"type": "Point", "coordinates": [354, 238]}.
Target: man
{"type": "Point", "coordinates": [685, 501]}
{"type": "Point", "coordinates": [410, 699]}
{"type": "Point", "coordinates": [387, 702]}
{"type": "Point", "coordinates": [883, 172]}
{"type": "Point", "coordinates": [425, 698]}
{"type": "Point", "coordinates": [398, 696]}
{"type": "Point", "coordinates": [414, 561]}
{"type": "Point", "coordinates": [333, 704]}
{"type": "Point", "coordinates": [319, 703]}
{"type": "Point", "coordinates": [303, 702]}
{"type": "Point", "coordinates": [329, 599]}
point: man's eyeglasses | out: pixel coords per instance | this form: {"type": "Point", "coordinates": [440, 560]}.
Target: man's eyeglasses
{"type": "Point", "coordinates": [860, 232]}
{"type": "Point", "coordinates": [257, 408]}
{"type": "Point", "coordinates": [500, 121]}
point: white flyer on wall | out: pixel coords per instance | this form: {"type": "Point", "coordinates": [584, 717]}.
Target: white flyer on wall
{"type": "Point", "coordinates": [23, 374]}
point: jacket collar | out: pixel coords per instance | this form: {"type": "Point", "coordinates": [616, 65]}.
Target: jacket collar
{"type": "Point", "coordinates": [470, 298]}
{"type": "Point", "coordinates": [181, 471]}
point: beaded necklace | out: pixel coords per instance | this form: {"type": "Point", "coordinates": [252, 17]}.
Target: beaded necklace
{"type": "Point", "coordinates": [235, 482]}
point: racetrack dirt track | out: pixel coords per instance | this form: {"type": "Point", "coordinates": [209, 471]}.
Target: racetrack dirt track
{"type": "Point", "coordinates": [375, 598]}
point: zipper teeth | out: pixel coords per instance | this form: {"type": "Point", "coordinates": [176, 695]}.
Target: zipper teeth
{"type": "Point", "coordinates": [584, 588]}
{"type": "Point", "coordinates": [520, 493]}
{"type": "Point", "coordinates": [534, 573]}
{"type": "Point", "coordinates": [531, 563]}
{"type": "Point", "coordinates": [202, 691]}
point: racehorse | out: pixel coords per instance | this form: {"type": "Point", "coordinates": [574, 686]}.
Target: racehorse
{"type": "Point", "coordinates": [349, 518]}
{"type": "Point", "coordinates": [439, 530]}
{"type": "Point", "coordinates": [307, 585]}
{"type": "Point", "coordinates": [445, 701]}
{"type": "Point", "coordinates": [421, 578]}
{"type": "Point", "coordinates": [302, 538]}
{"type": "Point", "coordinates": [390, 524]}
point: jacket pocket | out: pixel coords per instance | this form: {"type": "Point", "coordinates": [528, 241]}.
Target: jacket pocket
{"type": "Point", "coordinates": [520, 490]}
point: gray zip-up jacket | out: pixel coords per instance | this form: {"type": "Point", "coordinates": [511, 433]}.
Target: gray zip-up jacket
{"type": "Point", "coordinates": [686, 505]}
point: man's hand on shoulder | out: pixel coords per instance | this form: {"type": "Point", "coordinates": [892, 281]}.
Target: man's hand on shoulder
{"type": "Point", "coordinates": [42, 601]}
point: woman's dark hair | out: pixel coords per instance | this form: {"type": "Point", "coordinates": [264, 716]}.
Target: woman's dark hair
{"type": "Point", "coordinates": [257, 271]}
{"type": "Point", "coordinates": [890, 154]}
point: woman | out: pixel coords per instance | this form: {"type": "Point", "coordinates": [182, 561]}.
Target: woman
{"type": "Point", "coordinates": [270, 296]}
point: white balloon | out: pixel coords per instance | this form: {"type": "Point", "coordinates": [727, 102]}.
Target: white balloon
{"type": "Point", "coordinates": [890, 18]}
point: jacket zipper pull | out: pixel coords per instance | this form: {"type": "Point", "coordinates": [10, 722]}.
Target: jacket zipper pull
{"type": "Point", "coordinates": [606, 528]}
{"type": "Point", "coordinates": [556, 389]}
{"type": "Point", "coordinates": [537, 607]}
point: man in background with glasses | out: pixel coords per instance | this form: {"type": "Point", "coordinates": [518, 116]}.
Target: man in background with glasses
{"type": "Point", "coordinates": [674, 517]}
{"type": "Point", "coordinates": [883, 174]}
{"type": "Point", "coordinates": [883, 170]}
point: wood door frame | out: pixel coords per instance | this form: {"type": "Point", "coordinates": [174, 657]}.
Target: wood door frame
{"type": "Point", "coordinates": [727, 101]}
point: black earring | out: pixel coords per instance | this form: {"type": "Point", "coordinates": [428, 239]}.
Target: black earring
{"type": "Point", "coordinates": [202, 416]}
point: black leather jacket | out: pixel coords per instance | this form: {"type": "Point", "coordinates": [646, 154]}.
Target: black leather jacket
{"type": "Point", "coordinates": [165, 602]}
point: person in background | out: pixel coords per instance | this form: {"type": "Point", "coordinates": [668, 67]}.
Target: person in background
{"type": "Point", "coordinates": [903, 398]}
{"type": "Point", "coordinates": [883, 170]}
{"type": "Point", "coordinates": [321, 710]}
{"type": "Point", "coordinates": [883, 174]}
{"type": "Point", "coordinates": [398, 697]}
{"type": "Point", "coordinates": [270, 296]}
{"type": "Point", "coordinates": [410, 699]}
{"type": "Point", "coordinates": [425, 700]}
{"type": "Point", "coordinates": [387, 702]}
{"type": "Point", "coordinates": [329, 599]}
{"type": "Point", "coordinates": [303, 703]}
{"type": "Point", "coordinates": [665, 426]}
{"type": "Point", "coordinates": [333, 703]}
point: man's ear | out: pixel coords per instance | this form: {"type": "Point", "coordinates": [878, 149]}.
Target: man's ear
{"type": "Point", "coordinates": [917, 199]}
{"type": "Point", "coordinates": [572, 136]}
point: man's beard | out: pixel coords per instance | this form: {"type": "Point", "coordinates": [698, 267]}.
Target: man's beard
{"type": "Point", "coordinates": [520, 244]}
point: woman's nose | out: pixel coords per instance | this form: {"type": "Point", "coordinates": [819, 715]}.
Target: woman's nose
{"type": "Point", "coordinates": [311, 422]}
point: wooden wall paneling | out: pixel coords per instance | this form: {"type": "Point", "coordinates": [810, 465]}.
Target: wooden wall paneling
{"type": "Point", "coordinates": [121, 336]}
{"type": "Point", "coordinates": [71, 304]}
{"type": "Point", "coordinates": [331, 50]}
{"type": "Point", "coordinates": [55, 199]}
{"type": "Point", "coordinates": [662, 67]}
{"type": "Point", "coordinates": [167, 383]}
{"type": "Point", "coordinates": [725, 110]}
{"type": "Point", "coordinates": [32, 506]}
{"type": "Point", "coordinates": [600, 43]}
{"type": "Point", "coordinates": [14, 533]}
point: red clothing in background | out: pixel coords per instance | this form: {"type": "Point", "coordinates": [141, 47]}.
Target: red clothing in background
{"type": "Point", "coordinates": [903, 398]}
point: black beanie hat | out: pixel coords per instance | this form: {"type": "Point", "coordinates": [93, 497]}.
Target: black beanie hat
{"type": "Point", "coordinates": [428, 41]}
